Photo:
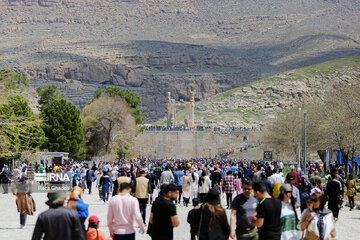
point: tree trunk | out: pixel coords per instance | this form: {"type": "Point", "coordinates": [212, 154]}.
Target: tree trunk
{"type": "Point", "coordinates": [345, 157]}
{"type": "Point", "coordinates": [108, 138]}
{"type": "Point", "coordinates": [353, 162]}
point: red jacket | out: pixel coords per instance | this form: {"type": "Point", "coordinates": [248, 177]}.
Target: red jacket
{"type": "Point", "coordinates": [297, 177]}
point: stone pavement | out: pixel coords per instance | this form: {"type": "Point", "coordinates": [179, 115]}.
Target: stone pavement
{"type": "Point", "coordinates": [346, 227]}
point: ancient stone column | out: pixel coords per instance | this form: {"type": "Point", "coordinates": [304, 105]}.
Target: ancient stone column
{"type": "Point", "coordinates": [169, 109]}
{"type": "Point", "coordinates": [191, 121]}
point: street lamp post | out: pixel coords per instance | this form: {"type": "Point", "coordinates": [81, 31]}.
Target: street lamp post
{"type": "Point", "coordinates": [305, 170]}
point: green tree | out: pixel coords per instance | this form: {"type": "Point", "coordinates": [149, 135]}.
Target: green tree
{"type": "Point", "coordinates": [131, 98]}
{"type": "Point", "coordinates": [63, 128]}
{"type": "Point", "coordinates": [48, 94]}
{"type": "Point", "coordinates": [20, 129]}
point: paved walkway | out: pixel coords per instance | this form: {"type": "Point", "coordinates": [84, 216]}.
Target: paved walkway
{"type": "Point", "coordinates": [347, 227]}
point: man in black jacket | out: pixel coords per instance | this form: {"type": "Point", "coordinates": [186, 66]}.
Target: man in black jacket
{"type": "Point", "coordinates": [58, 222]}
{"type": "Point", "coordinates": [333, 193]}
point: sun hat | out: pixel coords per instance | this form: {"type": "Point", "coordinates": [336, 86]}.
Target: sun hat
{"type": "Point", "coordinates": [55, 198]}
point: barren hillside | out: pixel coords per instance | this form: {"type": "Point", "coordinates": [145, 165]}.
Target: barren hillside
{"type": "Point", "coordinates": [155, 46]}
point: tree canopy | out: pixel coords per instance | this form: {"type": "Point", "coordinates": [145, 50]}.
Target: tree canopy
{"type": "Point", "coordinates": [131, 98]}
{"type": "Point", "coordinates": [109, 124]}
{"type": "Point", "coordinates": [63, 128]}
{"type": "Point", "coordinates": [20, 129]}
{"type": "Point", "coordinates": [48, 94]}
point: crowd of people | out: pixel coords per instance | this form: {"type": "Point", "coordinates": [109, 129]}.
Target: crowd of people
{"type": "Point", "coordinates": [201, 128]}
{"type": "Point", "coordinates": [264, 203]}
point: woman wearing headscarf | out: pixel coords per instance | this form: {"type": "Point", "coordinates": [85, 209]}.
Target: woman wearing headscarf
{"type": "Point", "coordinates": [204, 186]}
{"type": "Point", "coordinates": [318, 222]}
{"type": "Point", "coordinates": [351, 191]}
{"type": "Point", "coordinates": [213, 224]}
{"type": "Point", "coordinates": [24, 201]}
{"type": "Point", "coordinates": [289, 219]}
{"type": "Point", "coordinates": [106, 186]}
{"type": "Point", "coordinates": [186, 187]}
{"type": "Point", "coordinates": [75, 202]}
{"type": "Point", "coordinates": [194, 185]}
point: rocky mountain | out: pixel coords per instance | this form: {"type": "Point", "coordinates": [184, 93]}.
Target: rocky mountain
{"type": "Point", "coordinates": [253, 104]}
{"type": "Point", "coordinates": [155, 46]}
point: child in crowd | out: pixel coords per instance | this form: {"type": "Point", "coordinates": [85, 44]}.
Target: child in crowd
{"type": "Point", "coordinates": [193, 218]}
{"type": "Point", "coordinates": [93, 233]}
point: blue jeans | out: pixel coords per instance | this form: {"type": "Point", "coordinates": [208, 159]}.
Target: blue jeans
{"type": "Point", "coordinates": [130, 236]}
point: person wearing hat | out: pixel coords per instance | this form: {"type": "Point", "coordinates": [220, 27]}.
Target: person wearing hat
{"type": "Point", "coordinates": [58, 222]}
{"type": "Point", "coordinates": [289, 219]}
{"type": "Point", "coordinates": [297, 177]}
{"type": "Point", "coordinates": [5, 179]}
{"type": "Point", "coordinates": [92, 232]}
{"type": "Point", "coordinates": [291, 179]}
{"type": "Point", "coordinates": [213, 220]}
{"type": "Point", "coordinates": [24, 200]}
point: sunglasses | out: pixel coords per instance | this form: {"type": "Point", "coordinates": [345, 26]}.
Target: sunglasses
{"type": "Point", "coordinates": [314, 200]}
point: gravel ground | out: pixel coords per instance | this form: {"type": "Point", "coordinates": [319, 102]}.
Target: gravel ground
{"type": "Point", "coordinates": [10, 220]}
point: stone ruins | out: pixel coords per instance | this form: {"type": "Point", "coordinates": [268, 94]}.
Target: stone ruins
{"type": "Point", "coordinates": [189, 121]}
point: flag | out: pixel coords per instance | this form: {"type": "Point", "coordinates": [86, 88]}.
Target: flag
{"type": "Point", "coordinates": [327, 159]}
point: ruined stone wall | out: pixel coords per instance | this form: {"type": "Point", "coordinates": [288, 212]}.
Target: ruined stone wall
{"type": "Point", "coordinates": [187, 144]}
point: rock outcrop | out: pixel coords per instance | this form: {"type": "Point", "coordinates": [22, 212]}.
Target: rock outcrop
{"type": "Point", "coordinates": [156, 46]}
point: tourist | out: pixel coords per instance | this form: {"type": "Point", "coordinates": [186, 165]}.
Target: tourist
{"type": "Point", "coordinates": [142, 191]}
{"type": "Point", "coordinates": [291, 179]}
{"type": "Point", "coordinates": [58, 222]}
{"type": "Point", "coordinates": [289, 219]}
{"type": "Point", "coordinates": [318, 222]}
{"type": "Point", "coordinates": [24, 200]}
{"type": "Point", "coordinates": [216, 179]}
{"type": "Point", "coordinates": [267, 216]}
{"type": "Point", "coordinates": [178, 173]}
{"type": "Point", "coordinates": [194, 184]}
{"type": "Point", "coordinates": [351, 191]}
{"type": "Point", "coordinates": [242, 207]}
{"type": "Point", "coordinates": [333, 194]}
{"type": "Point", "coordinates": [204, 186]}
{"type": "Point", "coordinates": [304, 189]}
{"type": "Point", "coordinates": [93, 233]}
{"type": "Point", "coordinates": [166, 176]}
{"type": "Point", "coordinates": [98, 175]}
{"type": "Point", "coordinates": [75, 202]}
{"type": "Point", "coordinates": [296, 175]}
{"type": "Point", "coordinates": [213, 220]}
{"type": "Point", "coordinates": [106, 186]}
{"type": "Point", "coordinates": [315, 181]}
{"type": "Point", "coordinates": [228, 186]}
{"type": "Point", "coordinates": [193, 218]}
{"type": "Point", "coordinates": [122, 179]}
{"type": "Point", "coordinates": [238, 184]}
{"type": "Point", "coordinates": [186, 187]}
{"type": "Point", "coordinates": [123, 209]}
{"type": "Point", "coordinates": [90, 177]}
{"type": "Point", "coordinates": [163, 217]}
{"type": "Point", "coordinates": [5, 179]}
{"type": "Point", "coordinates": [153, 180]}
